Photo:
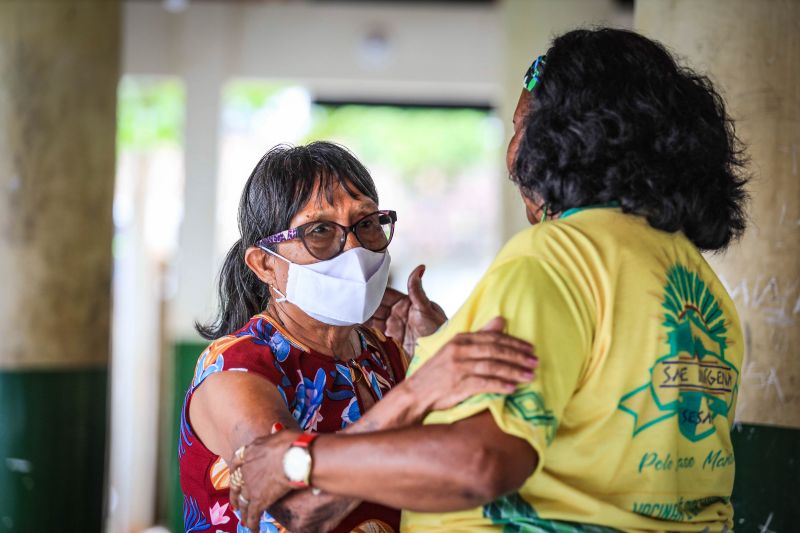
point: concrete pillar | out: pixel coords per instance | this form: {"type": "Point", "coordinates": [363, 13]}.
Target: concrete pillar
{"type": "Point", "coordinates": [752, 51]}
{"type": "Point", "coordinates": [205, 64]}
{"type": "Point", "coordinates": [529, 27]}
{"type": "Point", "coordinates": [58, 79]}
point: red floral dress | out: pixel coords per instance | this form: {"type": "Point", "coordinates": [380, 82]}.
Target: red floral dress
{"type": "Point", "coordinates": [319, 393]}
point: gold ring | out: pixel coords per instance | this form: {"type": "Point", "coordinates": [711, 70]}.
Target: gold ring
{"type": "Point", "coordinates": [237, 478]}
{"type": "Point", "coordinates": [240, 453]}
{"type": "Point", "coordinates": [243, 500]}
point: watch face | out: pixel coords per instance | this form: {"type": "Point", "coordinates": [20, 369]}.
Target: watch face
{"type": "Point", "coordinates": [296, 464]}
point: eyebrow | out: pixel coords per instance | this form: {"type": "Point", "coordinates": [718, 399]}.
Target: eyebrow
{"type": "Point", "coordinates": [325, 214]}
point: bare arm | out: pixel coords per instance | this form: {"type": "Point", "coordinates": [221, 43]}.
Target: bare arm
{"type": "Point", "coordinates": [252, 405]}
{"type": "Point", "coordinates": [426, 468]}
{"type": "Point", "coordinates": [304, 511]}
{"type": "Point", "coordinates": [421, 468]}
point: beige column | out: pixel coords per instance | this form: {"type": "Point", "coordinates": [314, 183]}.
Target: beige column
{"type": "Point", "coordinates": [58, 80]}
{"type": "Point", "coordinates": [752, 51]}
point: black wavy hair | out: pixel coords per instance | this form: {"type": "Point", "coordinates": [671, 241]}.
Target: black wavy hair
{"type": "Point", "coordinates": [615, 118]}
{"type": "Point", "coordinates": [281, 184]}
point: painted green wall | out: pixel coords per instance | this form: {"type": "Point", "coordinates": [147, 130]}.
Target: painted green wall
{"type": "Point", "coordinates": [186, 354]}
{"type": "Point", "coordinates": [53, 449]}
{"type": "Point", "coordinates": [766, 491]}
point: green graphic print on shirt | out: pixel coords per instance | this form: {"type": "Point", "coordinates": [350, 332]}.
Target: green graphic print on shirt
{"type": "Point", "coordinates": [518, 516]}
{"type": "Point", "coordinates": [693, 381]}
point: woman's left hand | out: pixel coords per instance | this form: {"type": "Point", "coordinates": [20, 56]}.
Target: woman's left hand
{"type": "Point", "coordinates": [263, 481]}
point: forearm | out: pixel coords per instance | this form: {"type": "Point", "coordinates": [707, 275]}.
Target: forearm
{"type": "Point", "coordinates": [425, 468]}
{"type": "Point", "coordinates": [305, 511]}
{"type": "Point", "coordinates": [401, 407]}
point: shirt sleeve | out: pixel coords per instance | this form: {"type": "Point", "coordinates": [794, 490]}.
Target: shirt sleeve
{"type": "Point", "coordinates": [542, 306]}
{"type": "Point", "coordinates": [236, 354]}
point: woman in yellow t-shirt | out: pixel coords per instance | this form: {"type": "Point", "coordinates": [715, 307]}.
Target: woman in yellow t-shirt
{"type": "Point", "coordinates": [628, 167]}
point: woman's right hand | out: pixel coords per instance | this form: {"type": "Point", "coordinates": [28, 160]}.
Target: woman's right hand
{"type": "Point", "coordinates": [486, 361]}
{"type": "Point", "coordinates": [407, 317]}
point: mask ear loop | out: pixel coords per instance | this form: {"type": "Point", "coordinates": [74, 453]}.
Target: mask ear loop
{"type": "Point", "coordinates": [544, 214]}
{"type": "Point", "coordinates": [283, 297]}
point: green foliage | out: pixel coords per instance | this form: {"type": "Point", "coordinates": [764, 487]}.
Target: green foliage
{"type": "Point", "coordinates": [150, 113]}
{"type": "Point", "coordinates": [250, 95]}
{"type": "Point", "coordinates": [409, 140]}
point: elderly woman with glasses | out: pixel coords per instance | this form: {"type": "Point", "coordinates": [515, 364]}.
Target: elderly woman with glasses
{"type": "Point", "coordinates": [289, 351]}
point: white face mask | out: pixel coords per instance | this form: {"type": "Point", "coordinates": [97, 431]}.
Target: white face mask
{"type": "Point", "coordinates": [342, 291]}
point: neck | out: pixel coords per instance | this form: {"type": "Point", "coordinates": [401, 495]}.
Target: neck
{"type": "Point", "coordinates": [339, 342]}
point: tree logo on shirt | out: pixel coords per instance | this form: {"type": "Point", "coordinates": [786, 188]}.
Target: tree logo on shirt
{"type": "Point", "coordinates": [693, 381]}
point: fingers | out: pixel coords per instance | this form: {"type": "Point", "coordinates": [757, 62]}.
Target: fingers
{"type": "Point", "coordinates": [505, 355]}
{"type": "Point", "coordinates": [486, 385]}
{"type": "Point", "coordinates": [474, 385]}
{"type": "Point", "coordinates": [378, 319]}
{"type": "Point", "coordinates": [495, 324]}
{"type": "Point", "coordinates": [391, 297]}
{"type": "Point", "coordinates": [374, 323]}
{"type": "Point", "coordinates": [494, 355]}
{"type": "Point", "coordinates": [383, 311]}
{"type": "Point", "coordinates": [503, 371]}
{"type": "Point", "coordinates": [251, 518]}
{"type": "Point", "coordinates": [241, 503]}
{"type": "Point", "coordinates": [250, 511]}
{"type": "Point", "coordinates": [415, 290]}
{"type": "Point", "coordinates": [397, 320]}
{"type": "Point", "coordinates": [488, 340]}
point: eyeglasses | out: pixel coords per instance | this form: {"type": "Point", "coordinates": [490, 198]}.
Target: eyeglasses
{"type": "Point", "coordinates": [325, 240]}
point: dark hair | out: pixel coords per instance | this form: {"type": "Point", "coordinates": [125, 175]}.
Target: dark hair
{"type": "Point", "coordinates": [616, 119]}
{"type": "Point", "coordinates": [280, 185]}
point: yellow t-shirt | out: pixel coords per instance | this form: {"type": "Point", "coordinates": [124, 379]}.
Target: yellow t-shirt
{"type": "Point", "coordinates": [632, 404]}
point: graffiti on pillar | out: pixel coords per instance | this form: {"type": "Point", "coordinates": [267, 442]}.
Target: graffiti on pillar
{"type": "Point", "coordinates": [776, 300]}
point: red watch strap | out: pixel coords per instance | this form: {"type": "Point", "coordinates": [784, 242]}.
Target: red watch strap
{"type": "Point", "coordinates": [305, 440]}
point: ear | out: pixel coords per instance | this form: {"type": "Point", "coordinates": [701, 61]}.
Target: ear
{"type": "Point", "coordinates": [533, 209]}
{"type": "Point", "coordinates": [261, 263]}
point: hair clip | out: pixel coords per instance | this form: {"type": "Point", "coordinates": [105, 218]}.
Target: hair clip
{"type": "Point", "coordinates": [531, 79]}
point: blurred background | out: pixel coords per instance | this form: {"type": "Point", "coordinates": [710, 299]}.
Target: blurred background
{"type": "Point", "coordinates": [128, 128]}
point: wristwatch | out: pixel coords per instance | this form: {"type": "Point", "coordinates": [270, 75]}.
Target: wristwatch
{"type": "Point", "coordinates": [297, 461]}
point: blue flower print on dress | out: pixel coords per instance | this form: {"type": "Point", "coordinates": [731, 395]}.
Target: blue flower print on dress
{"type": "Point", "coordinates": [308, 400]}
{"type": "Point", "coordinates": [259, 330]}
{"type": "Point", "coordinates": [351, 413]}
{"type": "Point", "coordinates": [267, 524]}
{"type": "Point", "coordinates": [283, 395]}
{"type": "Point", "coordinates": [377, 360]}
{"type": "Point", "coordinates": [280, 346]}
{"type": "Point", "coordinates": [376, 388]}
{"type": "Point", "coordinates": [193, 519]}
{"type": "Point", "coordinates": [185, 438]}
{"type": "Point", "coordinates": [341, 378]}
{"type": "Point", "coordinates": [206, 366]}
